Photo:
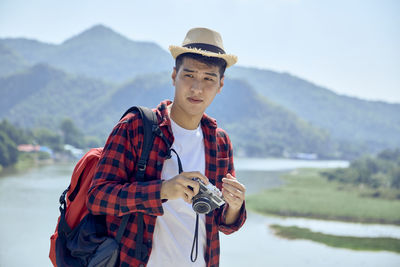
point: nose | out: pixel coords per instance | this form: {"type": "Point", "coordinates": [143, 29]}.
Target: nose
{"type": "Point", "coordinates": [196, 87]}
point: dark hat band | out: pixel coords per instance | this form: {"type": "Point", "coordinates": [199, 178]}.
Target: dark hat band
{"type": "Point", "coordinates": [207, 47]}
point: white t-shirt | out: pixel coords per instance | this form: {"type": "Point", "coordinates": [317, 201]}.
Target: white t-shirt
{"type": "Point", "coordinates": [174, 231]}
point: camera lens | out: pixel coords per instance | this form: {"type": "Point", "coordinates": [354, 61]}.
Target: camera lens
{"type": "Point", "coordinates": [201, 205]}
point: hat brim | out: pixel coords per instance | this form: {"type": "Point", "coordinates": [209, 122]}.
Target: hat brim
{"type": "Point", "coordinates": [178, 50]}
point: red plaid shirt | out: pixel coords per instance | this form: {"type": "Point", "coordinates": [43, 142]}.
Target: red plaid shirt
{"type": "Point", "coordinates": [115, 191]}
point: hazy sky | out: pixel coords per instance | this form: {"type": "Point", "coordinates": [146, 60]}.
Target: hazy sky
{"type": "Point", "coordinates": [350, 47]}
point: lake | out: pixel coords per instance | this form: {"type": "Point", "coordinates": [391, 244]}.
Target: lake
{"type": "Point", "coordinates": [29, 212]}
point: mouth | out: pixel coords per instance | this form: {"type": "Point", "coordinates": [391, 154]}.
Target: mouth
{"type": "Point", "coordinates": [194, 100]}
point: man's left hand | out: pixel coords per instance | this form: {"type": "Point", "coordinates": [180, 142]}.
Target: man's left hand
{"type": "Point", "coordinates": [233, 192]}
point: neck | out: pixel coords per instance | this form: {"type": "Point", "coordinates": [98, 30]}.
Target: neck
{"type": "Point", "coordinates": [182, 119]}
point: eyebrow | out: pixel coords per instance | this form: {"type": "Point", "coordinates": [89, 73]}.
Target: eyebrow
{"type": "Point", "coordinates": [212, 74]}
{"type": "Point", "coordinates": [208, 73]}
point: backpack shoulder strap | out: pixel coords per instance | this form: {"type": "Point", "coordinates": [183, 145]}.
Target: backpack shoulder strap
{"type": "Point", "coordinates": [150, 125]}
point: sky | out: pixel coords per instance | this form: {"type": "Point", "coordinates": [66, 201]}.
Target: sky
{"type": "Point", "coordinates": [351, 47]}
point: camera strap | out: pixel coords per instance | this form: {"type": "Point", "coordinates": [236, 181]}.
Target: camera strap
{"type": "Point", "coordinates": [193, 258]}
{"type": "Point", "coordinates": [179, 160]}
{"type": "Point", "coordinates": [195, 239]}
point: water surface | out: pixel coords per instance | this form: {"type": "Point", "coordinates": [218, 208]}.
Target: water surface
{"type": "Point", "coordinates": [29, 212]}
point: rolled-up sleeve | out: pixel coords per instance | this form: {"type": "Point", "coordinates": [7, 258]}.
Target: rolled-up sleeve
{"type": "Point", "coordinates": [114, 190]}
{"type": "Point", "coordinates": [231, 228]}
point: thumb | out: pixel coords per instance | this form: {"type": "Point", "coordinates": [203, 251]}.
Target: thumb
{"type": "Point", "coordinates": [229, 176]}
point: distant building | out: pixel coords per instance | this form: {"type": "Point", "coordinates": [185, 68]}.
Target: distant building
{"type": "Point", "coordinates": [28, 148]}
{"type": "Point", "coordinates": [307, 156]}
{"type": "Point", "coordinates": [76, 152]}
{"type": "Point", "coordinates": [300, 155]}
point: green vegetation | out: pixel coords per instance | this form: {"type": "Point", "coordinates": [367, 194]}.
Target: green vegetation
{"type": "Point", "coordinates": [12, 136]}
{"type": "Point", "coordinates": [348, 242]}
{"type": "Point", "coordinates": [374, 125]}
{"type": "Point", "coordinates": [258, 128]}
{"type": "Point", "coordinates": [380, 173]}
{"type": "Point", "coordinates": [72, 135]}
{"type": "Point", "coordinates": [308, 194]}
{"type": "Point", "coordinates": [94, 76]}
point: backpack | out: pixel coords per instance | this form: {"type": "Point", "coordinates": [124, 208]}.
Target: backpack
{"type": "Point", "coordinates": [80, 238]}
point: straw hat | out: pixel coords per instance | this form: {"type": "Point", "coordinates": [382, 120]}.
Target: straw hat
{"type": "Point", "coordinates": [205, 42]}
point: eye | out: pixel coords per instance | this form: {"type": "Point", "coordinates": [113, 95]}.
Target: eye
{"type": "Point", "coordinates": [189, 75]}
{"type": "Point", "coordinates": [209, 79]}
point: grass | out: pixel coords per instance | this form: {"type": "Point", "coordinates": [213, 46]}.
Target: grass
{"type": "Point", "coordinates": [307, 194]}
{"type": "Point", "coordinates": [25, 162]}
{"type": "Point", "coordinates": [348, 242]}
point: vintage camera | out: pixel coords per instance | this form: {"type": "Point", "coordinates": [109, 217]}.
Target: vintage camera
{"type": "Point", "coordinates": [208, 199]}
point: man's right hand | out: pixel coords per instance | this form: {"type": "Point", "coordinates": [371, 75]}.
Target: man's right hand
{"type": "Point", "coordinates": [178, 187]}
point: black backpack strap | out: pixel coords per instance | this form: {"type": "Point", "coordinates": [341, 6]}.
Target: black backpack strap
{"type": "Point", "coordinates": [150, 127]}
{"type": "Point", "coordinates": [150, 124]}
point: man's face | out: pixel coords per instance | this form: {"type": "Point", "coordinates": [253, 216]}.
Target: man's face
{"type": "Point", "coordinates": [196, 85]}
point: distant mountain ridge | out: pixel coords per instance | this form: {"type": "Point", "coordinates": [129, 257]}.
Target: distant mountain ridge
{"type": "Point", "coordinates": [11, 62]}
{"type": "Point", "coordinates": [98, 52]}
{"type": "Point", "coordinates": [111, 72]}
{"type": "Point", "coordinates": [346, 118]}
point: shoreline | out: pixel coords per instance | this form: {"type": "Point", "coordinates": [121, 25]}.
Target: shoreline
{"type": "Point", "coordinates": [305, 194]}
{"type": "Point", "coordinates": [326, 218]}
{"type": "Point", "coordinates": [338, 241]}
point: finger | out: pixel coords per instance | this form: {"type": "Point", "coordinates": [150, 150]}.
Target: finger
{"type": "Point", "coordinates": [199, 175]}
{"type": "Point", "coordinates": [194, 185]}
{"type": "Point", "coordinates": [186, 198]}
{"type": "Point", "coordinates": [234, 183]}
{"type": "Point", "coordinates": [230, 176]}
{"type": "Point", "coordinates": [189, 193]}
{"type": "Point", "coordinates": [231, 199]}
{"type": "Point", "coordinates": [234, 191]}
{"type": "Point", "coordinates": [186, 194]}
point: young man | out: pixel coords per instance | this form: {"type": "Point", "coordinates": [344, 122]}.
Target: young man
{"type": "Point", "coordinates": [165, 196]}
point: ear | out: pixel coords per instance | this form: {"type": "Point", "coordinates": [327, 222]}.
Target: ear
{"type": "Point", "coordinates": [173, 76]}
{"type": "Point", "coordinates": [221, 84]}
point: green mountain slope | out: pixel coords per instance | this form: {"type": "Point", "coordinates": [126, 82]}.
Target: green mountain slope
{"type": "Point", "coordinates": [42, 96]}
{"type": "Point", "coordinates": [256, 126]}
{"type": "Point", "coordinates": [10, 61]}
{"type": "Point", "coordinates": [375, 124]}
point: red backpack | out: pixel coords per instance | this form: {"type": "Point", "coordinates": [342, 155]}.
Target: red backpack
{"type": "Point", "coordinates": [73, 209]}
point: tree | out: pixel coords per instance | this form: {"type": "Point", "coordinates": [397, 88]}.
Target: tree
{"type": "Point", "coordinates": [8, 150]}
{"type": "Point", "coordinates": [395, 183]}
{"type": "Point", "coordinates": [18, 136]}
{"type": "Point", "coordinates": [48, 138]}
{"type": "Point", "coordinates": [72, 135]}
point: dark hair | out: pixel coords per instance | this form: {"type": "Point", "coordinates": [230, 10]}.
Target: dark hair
{"type": "Point", "coordinates": [210, 61]}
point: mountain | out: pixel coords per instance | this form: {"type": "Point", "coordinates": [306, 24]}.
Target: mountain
{"type": "Point", "coordinates": [349, 119]}
{"type": "Point", "coordinates": [42, 96]}
{"type": "Point", "coordinates": [123, 72]}
{"type": "Point", "coordinates": [256, 126]}
{"type": "Point", "coordinates": [260, 127]}
{"type": "Point", "coordinates": [10, 62]}
{"type": "Point", "coordinates": [98, 52]}
{"type": "Point", "coordinates": [31, 51]}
